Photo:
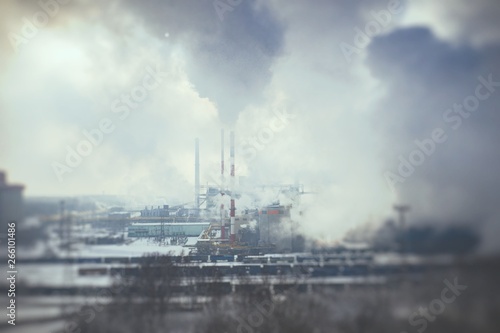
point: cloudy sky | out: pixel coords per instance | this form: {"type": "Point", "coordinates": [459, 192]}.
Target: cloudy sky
{"type": "Point", "coordinates": [358, 100]}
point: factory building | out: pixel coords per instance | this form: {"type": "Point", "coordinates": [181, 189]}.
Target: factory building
{"type": "Point", "coordinates": [155, 212]}
{"type": "Point", "coordinates": [167, 229]}
{"type": "Point", "coordinates": [275, 227]}
{"type": "Point", "coordinates": [11, 202]}
{"type": "Point", "coordinates": [210, 197]}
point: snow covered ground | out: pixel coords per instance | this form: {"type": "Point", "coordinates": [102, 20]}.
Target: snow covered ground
{"type": "Point", "coordinates": [137, 248]}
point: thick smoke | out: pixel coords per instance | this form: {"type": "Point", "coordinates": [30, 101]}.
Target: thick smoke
{"type": "Point", "coordinates": [238, 72]}
{"type": "Point", "coordinates": [432, 86]}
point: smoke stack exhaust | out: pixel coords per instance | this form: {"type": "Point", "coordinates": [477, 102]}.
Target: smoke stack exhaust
{"type": "Point", "coordinates": [197, 174]}
{"type": "Point", "coordinates": [222, 222]}
{"type": "Point", "coordinates": [233, 209]}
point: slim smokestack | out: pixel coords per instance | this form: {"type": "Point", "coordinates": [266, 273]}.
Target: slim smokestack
{"type": "Point", "coordinates": [197, 173]}
{"type": "Point", "coordinates": [222, 224]}
{"type": "Point", "coordinates": [222, 158]}
{"type": "Point", "coordinates": [233, 209]}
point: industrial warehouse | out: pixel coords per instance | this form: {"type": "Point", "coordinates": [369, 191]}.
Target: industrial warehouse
{"type": "Point", "coordinates": [166, 229]}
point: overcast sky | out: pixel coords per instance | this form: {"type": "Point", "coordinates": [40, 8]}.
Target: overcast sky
{"type": "Point", "coordinates": [332, 94]}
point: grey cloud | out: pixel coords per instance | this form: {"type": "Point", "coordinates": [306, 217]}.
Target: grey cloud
{"type": "Point", "coordinates": [424, 77]}
{"type": "Point", "coordinates": [260, 50]}
{"type": "Point", "coordinates": [229, 60]}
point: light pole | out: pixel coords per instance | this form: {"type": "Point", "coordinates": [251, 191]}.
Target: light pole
{"type": "Point", "coordinates": [402, 210]}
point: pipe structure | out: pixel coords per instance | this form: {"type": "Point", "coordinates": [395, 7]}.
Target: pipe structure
{"type": "Point", "coordinates": [222, 222]}
{"type": "Point", "coordinates": [233, 209]}
{"type": "Point", "coordinates": [197, 174]}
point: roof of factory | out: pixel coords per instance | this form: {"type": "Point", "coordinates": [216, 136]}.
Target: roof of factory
{"type": "Point", "coordinates": [171, 224]}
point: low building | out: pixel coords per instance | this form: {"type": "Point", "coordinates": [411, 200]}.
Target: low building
{"type": "Point", "coordinates": [11, 203]}
{"type": "Point", "coordinates": [155, 212]}
{"type": "Point", "coordinates": [167, 229]}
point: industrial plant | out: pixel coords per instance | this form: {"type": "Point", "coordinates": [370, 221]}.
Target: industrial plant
{"type": "Point", "coordinates": [201, 251]}
{"type": "Point", "coordinates": [249, 166]}
{"type": "Point", "coordinates": [215, 218]}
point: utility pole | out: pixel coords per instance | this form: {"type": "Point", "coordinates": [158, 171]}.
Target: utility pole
{"type": "Point", "coordinates": [402, 210]}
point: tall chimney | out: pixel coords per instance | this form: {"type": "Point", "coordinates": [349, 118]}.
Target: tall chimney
{"type": "Point", "coordinates": [197, 173]}
{"type": "Point", "coordinates": [233, 209]}
{"type": "Point", "coordinates": [222, 221]}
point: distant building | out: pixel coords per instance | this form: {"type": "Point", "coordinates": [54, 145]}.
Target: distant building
{"type": "Point", "coordinates": [211, 197]}
{"type": "Point", "coordinates": [167, 229]}
{"type": "Point", "coordinates": [11, 203]}
{"type": "Point", "coordinates": [155, 212]}
{"type": "Point", "coordinates": [275, 227]}
{"type": "Point", "coordinates": [119, 215]}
